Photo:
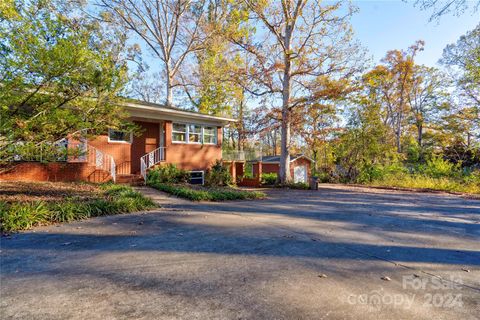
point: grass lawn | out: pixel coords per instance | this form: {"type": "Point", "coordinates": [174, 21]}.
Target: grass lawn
{"type": "Point", "coordinates": [200, 193]}
{"type": "Point", "coordinates": [24, 204]}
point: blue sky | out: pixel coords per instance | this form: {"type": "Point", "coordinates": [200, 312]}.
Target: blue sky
{"type": "Point", "coordinates": [392, 24]}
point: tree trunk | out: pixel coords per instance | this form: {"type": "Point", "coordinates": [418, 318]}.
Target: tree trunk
{"type": "Point", "coordinates": [274, 142]}
{"type": "Point", "coordinates": [285, 145]}
{"type": "Point", "coordinates": [398, 133]}
{"type": "Point", "coordinates": [420, 135]}
{"type": "Point", "coordinates": [241, 128]}
{"type": "Point", "coordinates": [169, 100]}
{"type": "Point", "coordinates": [285, 148]}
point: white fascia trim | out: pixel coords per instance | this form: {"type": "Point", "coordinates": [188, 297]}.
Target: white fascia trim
{"type": "Point", "coordinates": [137, 110]}
{"type": "Point", "coordinates": [310, 159]}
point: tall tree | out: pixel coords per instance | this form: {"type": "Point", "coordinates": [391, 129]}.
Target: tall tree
{"type": "Point", "coordinates": [463, 61]}
{"type": "Point", "coordinates": [303, 46]}
{"type": "Point", "coordinates": [59, 74]}
{"type": "Point", "coordinates": [144, 86]}
{"type": "Point", "coordinates": [215, 82]}
{"type": "Point", "coordinates": [169, 28]}
{"type": "Point", "coordinates": [391, 84]}
{"type": "Point", "coordinates": [442, 7]}
{"type": "Point", "coordinates": [319, 127]}
{"type": "Point", "coordinates": [426, 95]}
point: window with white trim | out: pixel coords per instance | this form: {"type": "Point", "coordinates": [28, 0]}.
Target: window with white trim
{"type": "Point", "coordinates": [194, 133]}
{"type": "Point", "coordinates": [119, 136]}
{"type": "Point", "coordinates": [179, 132]}
{"type": "Point", "coordinates": [210, 135]}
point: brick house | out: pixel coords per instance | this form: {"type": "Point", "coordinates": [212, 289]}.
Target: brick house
{"type": "Point", "coordinates": [191, 140]}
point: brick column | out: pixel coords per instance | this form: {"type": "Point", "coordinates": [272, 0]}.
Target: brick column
{"type": "Point", "coordinates": [233, 171]}
{"type": "Point", "coordinates": [168, 137]}
{"type": "Point", "coordinates": [219, 136]}
{"type": "Point", "coordinates": [259, 178]}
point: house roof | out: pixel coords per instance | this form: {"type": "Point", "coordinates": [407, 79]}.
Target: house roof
{"type": "Point", "coordinates": [142, 110]}
{"type": "Point", "coordinates": [276, 159]}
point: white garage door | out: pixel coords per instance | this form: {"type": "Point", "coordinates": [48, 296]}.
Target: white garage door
{"type": "Point", "coordinates": [300, 174]}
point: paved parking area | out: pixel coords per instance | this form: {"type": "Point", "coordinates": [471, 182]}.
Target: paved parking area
{"type": "Point", "coordinates": [336, 253]}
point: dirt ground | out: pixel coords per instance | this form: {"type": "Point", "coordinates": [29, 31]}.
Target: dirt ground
{"type": "Point", "coordinates": [45, 191]}
{"type": "Point", "coordinates": [337, 253]}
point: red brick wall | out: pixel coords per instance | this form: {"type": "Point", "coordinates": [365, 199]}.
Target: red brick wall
{"type": "Point", "coordinates": [186, 156]}
{"type": "Point", "coordinates": [120, 151]}
{"type": "Point", "coordinates": [57, 171]}
{"type": "Point", "coordinates": [270, 168]}
{"type": "Point", "coordinates": [250, 182]}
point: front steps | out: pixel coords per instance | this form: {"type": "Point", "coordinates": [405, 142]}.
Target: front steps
{"type": "Point", "coordinates": [99, 176]}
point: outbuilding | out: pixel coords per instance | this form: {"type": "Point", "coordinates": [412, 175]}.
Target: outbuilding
{"type": "Point", "coordinates": [300, 167]}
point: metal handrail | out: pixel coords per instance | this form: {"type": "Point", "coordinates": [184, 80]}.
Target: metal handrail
{"type": "Point", "coordinates": [101, 160]}
{"type": "Point", "coordinates": [150, 159]}
{"type": "Point", "coordinates": [244, 155]}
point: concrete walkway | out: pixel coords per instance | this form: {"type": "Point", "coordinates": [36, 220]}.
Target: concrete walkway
{"type": "Point", "coordinates": [164, 200]}
{"type": "Point", "coordinates": [336, 253]}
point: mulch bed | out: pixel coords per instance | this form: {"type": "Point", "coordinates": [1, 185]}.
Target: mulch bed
{"type": "Point", "coordinates": [46, 191]}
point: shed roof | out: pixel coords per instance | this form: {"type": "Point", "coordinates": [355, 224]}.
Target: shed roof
{"type": "Point", "coordinates": [276, 159]}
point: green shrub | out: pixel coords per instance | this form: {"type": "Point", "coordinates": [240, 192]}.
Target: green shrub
{"type": "Point", "coordinates": [115, 189]}
{"type": "Point", "coordinates": [436, 167]}
{"type": "Point", "coordinates": [69, 210]}
{"type": "Point", "coordinates": [23, 215]}
{"type": "Point", "coordinates": [117, 199]}
{"type": "Point", "coordinates": [182, 191]}
{"type": "Point", "coordinates": [248, 170]}
{"type": "Point", "coordinates": [269, 178]}
{"type": "Point", "coordinates": [102, 207]}
{"type": "Point", "coordinates": [374, 172]}
{"type": "Point", "coordinates": [418, 181]}
{"type": "Point", "coordinates": [132, 203]}
{"type": "Point", "coordinates": [214, 194]}
{"type": "Point", "coordinates": [168, 174]}
{"type": "Point", "coordinates": [472, 177]}
{"type": "Point", "coordinates": [298, 185]}
{"type": "Point", "coordinates": [370, 172]}
{"type": "Point", "coordinates": [218, 176]}
{"type": "Point", "coordinates": [325, 177]}
{"type": "Point", "coordinates": [3, 207]}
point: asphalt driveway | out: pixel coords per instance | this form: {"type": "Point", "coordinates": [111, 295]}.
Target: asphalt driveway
{"type": "Point", "coordinates": [336, 253]}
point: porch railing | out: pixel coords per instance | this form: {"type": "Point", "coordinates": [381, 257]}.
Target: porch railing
{"type": "Point", "coordinates": [150, 159]}
{"type": "Point", "coordinates": [101, 160]}
{"type": "Point", "coordinates": [237, 155]}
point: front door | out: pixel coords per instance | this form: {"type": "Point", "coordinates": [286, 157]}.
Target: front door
{"type": "Point", "coordinates": [145, 143]}
{"type": "Point", "coordinates": [300, 174]}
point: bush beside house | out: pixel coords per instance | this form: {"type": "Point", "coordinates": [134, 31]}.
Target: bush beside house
{"type": "Point", "coordinates": [217, 184]}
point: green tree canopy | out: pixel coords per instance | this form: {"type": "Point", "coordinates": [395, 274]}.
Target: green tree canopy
{"type": "Point", "coordinates": [60, 74]}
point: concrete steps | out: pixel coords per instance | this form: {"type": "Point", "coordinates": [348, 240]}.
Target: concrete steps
{"type": "Point", "coordinates": [99, 176]}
